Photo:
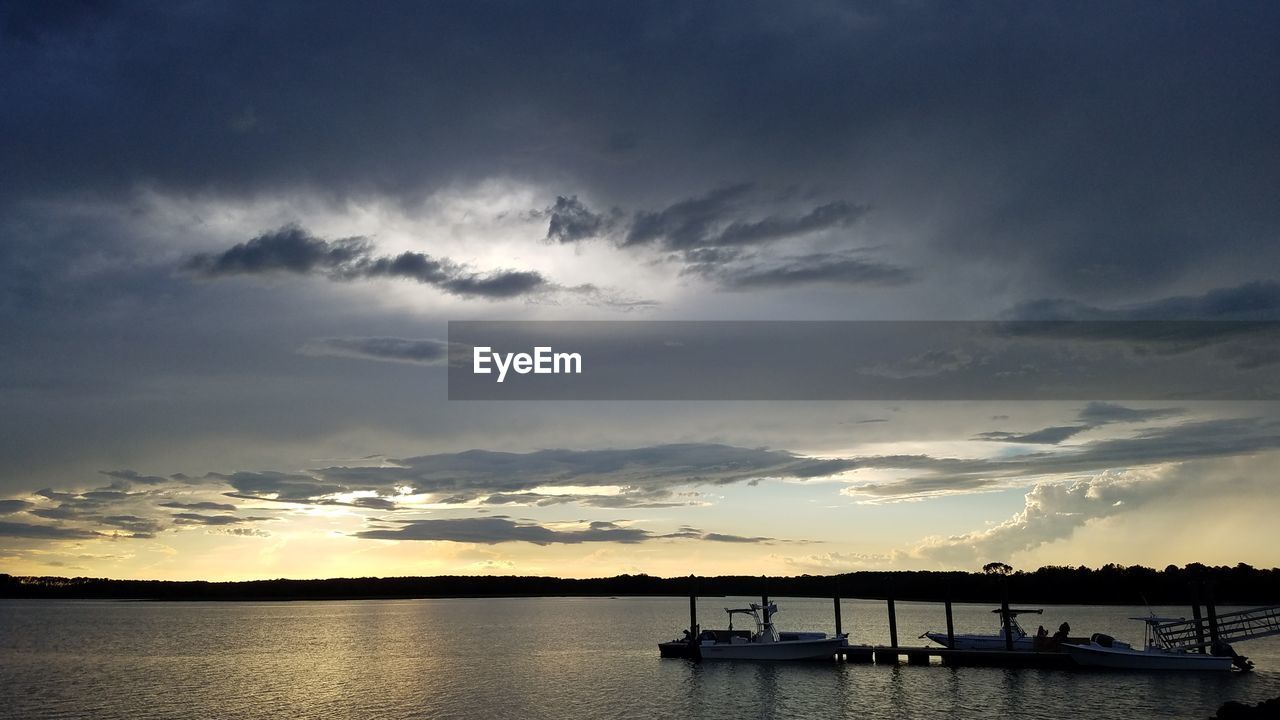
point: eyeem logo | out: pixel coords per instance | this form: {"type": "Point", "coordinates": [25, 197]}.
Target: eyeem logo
{"type": "Point", "coordinates": [543, 361]}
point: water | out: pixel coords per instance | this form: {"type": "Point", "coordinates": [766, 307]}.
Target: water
{"type": "Point", "coordinates": [542, 658]}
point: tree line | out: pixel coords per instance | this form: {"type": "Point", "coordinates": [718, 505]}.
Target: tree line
{"type": "Point", "coordinates": [1109, 584]}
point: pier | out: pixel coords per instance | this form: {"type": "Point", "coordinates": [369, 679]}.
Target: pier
{"type": "Point", "coordinates": [889, 655]}
{"type": "Point", "coordinates": [1195, 635]}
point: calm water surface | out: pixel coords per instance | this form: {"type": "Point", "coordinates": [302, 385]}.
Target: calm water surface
{"type": "Point", "coordinates": [541, 658]}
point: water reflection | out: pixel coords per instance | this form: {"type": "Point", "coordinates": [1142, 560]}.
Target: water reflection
{"type": "Point", "coordinates": [527, 658]}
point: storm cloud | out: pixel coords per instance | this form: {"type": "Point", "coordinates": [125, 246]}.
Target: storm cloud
{"type": "Point", "coordinates": [199, 199]}
{"type": "Point", "coordinates": [570, 220]}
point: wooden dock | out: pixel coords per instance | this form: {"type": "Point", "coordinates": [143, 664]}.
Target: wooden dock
{"type": "Point", "coordinates": [1258, 622]}
{"type": "Point", "coordinates": [889, 655]}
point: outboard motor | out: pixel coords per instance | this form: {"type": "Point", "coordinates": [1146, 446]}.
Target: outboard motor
{"type": "Point", "coordinates": [1223, 649]}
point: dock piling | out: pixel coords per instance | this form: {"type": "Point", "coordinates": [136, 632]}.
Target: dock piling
{"type": "Point", "coordinates": [893, 625]}
{"type": "Point", "coordinates": [1213, 612]}
{"type": "Point", "coordinates": [1004, 614]}
{"type": "Point", "coordinates": [951, 628]}
{"type": "Point", "coordinates": [695, 651]}
{"type": "Point", "coordinates": [836, 602]}
{"type": "Point", "coordinates": [1195, 615]}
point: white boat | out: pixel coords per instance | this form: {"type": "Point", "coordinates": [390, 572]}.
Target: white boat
{"type": "Point", "coordinates": [1103, 651]}
{"type": "Point", "coordinates": [766, 643]}
{"type": "Point", "coordinates": [996, 641]}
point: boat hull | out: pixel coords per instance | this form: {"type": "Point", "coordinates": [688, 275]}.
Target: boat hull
{"type": "Point", "coordinates": [823, 649]}
{"type": "Point", "coordinates": [1096, 656]}
{"type": "Point", "coordinates": [675, 649]}
{"type": "Point", "coordinates": [981, 642]}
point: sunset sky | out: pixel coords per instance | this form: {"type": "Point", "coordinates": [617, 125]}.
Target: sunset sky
{"type": "Point", "coordinates": [232, 234]}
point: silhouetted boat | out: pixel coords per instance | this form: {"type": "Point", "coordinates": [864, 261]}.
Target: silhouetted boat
{"type": "Point", "coordinates": [766, 643]}
{"type": "Point", "coordinates": [1104, 651]}
{"type": "Point", "coordinates": [1021, 641]}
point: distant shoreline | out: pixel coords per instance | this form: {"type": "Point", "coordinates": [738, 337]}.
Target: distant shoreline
{"type": "Point", "coordinates": [1108, 585]}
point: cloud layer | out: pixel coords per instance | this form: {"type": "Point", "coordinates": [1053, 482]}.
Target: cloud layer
{"type": "Point", "coordinates": [291, 249]}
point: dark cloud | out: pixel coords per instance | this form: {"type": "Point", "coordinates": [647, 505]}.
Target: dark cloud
{"type": "Point", "coordinates": [8, 507]}
{"type": "Point", "coordinates": [301, 489]}
{"type": "Point", "coordinates": [139, 527]}
{"type": "Point", "coordinates": [198, 505]}
{"type": "Point", "coordinates": [823, 217]}
{"type": "Point", "coordinates": [1241, 324]}
{"type": "Point", "coordinates": [819, 269]}
{"type": "Point", "coordinates": [646, 477]}
{"type": "Point", "coordinates": [44, 532]}
{"type": "Point", "coordinates": [716, 219]}
{"type": "Point", "coordinates": [1232, 437]}
{"type": "Point", "coordinates": [1093, 415]}
{"type": "Point", "coordinates": [292, 249]}
{"type": "Point", "coordinates": [1258, 300]}
{"type": "Point", "coordinates": [571, 221]}
{"type": "Point", "coordinates": [504, 284]}
{"type": "Point", "coordinates": [632, 497]}
{"type": "Point", "coordinates": [185, 518]}
{"type": "Point", "coordinates": [288, 249]}
{"type": "Point", "coordinates": [688, 223]}
{"type": "Point", "coordinates": [692, 533]}
{"type": "Point", "coordinates": [270, 485]}
{"type": "Point", "coordinates": [1047, 436]}
{"type": "Point", "coordinates": [1103, 413]}
{"type": "Point", "coordinates": [373, 503]}
{"type": "Point", "coordinates": [387, 349]}
{"type": "Point", "coordinates": [493, 530]}
{"type": "Point", "coordinates": [112, 512]}
{"type": "Point", "coordinates": [721, 537]}
{"type": "Point", "coordinates": [1084, 147]}
{"type": "Point", "coordinates": [132, 476]}
{"type": "Point", "coordinates": [476, 474]}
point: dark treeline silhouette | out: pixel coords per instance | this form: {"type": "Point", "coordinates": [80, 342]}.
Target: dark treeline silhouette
{"type": "Point", "coordinates": [1110, 584]}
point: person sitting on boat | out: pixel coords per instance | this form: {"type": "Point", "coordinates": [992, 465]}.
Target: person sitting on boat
{"type": "Point", "coordinates": [1042, 639]}
{"type": "Point", "coordinates": [1064, 630]}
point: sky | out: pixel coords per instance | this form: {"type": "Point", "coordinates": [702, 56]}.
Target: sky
{"type": "Point", "coordinates": [232, 236]}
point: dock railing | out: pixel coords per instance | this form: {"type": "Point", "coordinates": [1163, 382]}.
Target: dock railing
{"type": "Point", "coordinates": [1230, 627]}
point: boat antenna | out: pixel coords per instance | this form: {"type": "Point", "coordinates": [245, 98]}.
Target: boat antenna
{"type": "Point", "coordinates": [1150, 612]}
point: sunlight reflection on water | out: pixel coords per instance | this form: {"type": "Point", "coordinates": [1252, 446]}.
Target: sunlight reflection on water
{"type": "Point", "coordinates": [539, 658]}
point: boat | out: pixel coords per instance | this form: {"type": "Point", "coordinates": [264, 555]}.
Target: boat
{"type": "Point", "coordinates": [1021, 641]}
{"type": "Point", "coordinates": [766, 643]}
{"type": "Point", "coordinates": [1104, 651]}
